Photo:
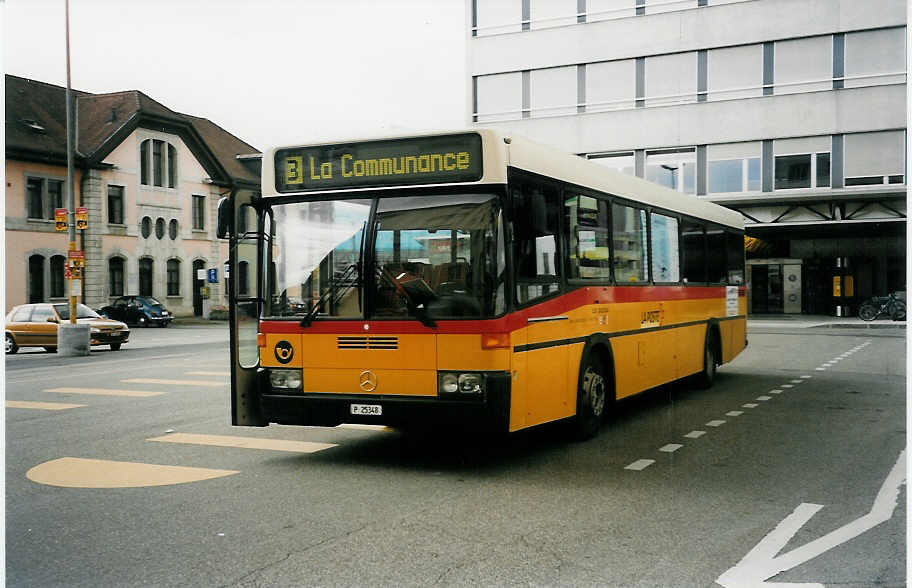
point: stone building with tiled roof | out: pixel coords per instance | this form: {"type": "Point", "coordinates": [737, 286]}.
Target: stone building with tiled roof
{"type": "Point", "coordinates": [151, 179]}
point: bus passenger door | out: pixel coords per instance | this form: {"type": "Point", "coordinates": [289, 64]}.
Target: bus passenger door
{"type": "Point", "coordinates": [244, 227]}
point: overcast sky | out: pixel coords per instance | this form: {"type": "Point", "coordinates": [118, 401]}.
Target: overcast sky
{"type": "Point", "coordinates": [270, 71]}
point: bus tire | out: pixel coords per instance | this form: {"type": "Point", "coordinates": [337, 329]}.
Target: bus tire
{"type": "Point", "coordinates": [591, 399]}
{"type": "Point", "coordinates": [707, 376]}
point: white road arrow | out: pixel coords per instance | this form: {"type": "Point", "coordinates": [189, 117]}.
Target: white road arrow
{"type": "Point", "coordinates": [762, 563]}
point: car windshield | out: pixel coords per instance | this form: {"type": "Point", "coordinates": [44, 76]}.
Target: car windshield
{"type": "Point", "coordinates": [150, 301]}
{"type": "Point", "coordinates": [433, 257]}
{"type": "Point", "coordinates": [82, 311]}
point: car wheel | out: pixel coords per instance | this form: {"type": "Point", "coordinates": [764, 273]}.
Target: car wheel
{"type": "Point", "coordinates": [50, 349]}
{"type": "Point", "coordinates": [115, 346]}
{"type": "Point", "coordinates": [141, 321]}
{"type": "Point", "coordinates": [11, 346]}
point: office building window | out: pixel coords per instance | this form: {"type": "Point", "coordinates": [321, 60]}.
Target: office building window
{"type": "Point", "coordinates": [115, 205]}
{"type": "Point", "coordinates": [659, 6]}
{"type": "Point", "coordinates": [494, 17]}
{"type": "Point", "coordinates": [499, 97]}
{"type": "Point", "coordinates": [734, 72]}
{"type": "Point", "coordinates": [116, 276]}
{"type": "Point", "coordinates": [874, 158]}
{"type": "Point", "coordinates": [610, 85]}
{"type": "Point", "coordinates": [734, 167]}
{"type": "Point", "coordinates": [553, 91]}
{"type": "Point", "coordinates": [597, 10]}
{"type": "Point", "coordinates": [57, 277]}
{"type": "Point", "coordinates": [623, 162]}
{"type": "Point", "coordinates": [802, 163]}
{"type": "Point", "coordinates": [874, 58]}
{"type": "Point", "coordinates": [552, 13]}
{"type": "Point", "coordinates": [671, 79]}
{"type": "Point", "coordinates": [199, 212]}
{"type": "Point", "coordinates": [803, 65]}
{"type": "Point", "coordinates": [673, 168]}
{"type": "Point", "coordinates": [173, 277]}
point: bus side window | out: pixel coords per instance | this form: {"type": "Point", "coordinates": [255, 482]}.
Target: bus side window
{"type": "Point", "coordinates": [631, 255]}
{"type": "Point", "coordinates": [586, 227]}
{"type": "Point", "coordinates": [716, 258]}
{"type": "Point", "coordinates": [665, 252]}
{"type": "Point", "coordinates": [535, 232]}
{"type": "Point", "coordinates": [693, 247]}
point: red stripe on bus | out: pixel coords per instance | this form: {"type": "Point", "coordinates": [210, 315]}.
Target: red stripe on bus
{"type": "Point", "coordinates": [516, 320]}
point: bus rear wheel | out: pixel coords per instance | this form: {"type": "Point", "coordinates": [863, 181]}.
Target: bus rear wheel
{"type": "Point", "coordinates": [707, 377]}
{"type": "Point", "coordinates": [591, 400]}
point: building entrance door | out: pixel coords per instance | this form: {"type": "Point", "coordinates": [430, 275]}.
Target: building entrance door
{"type": "Point", "coordinates": [197, 286]}
{"type": "Point", "coordinates": [775, 286]}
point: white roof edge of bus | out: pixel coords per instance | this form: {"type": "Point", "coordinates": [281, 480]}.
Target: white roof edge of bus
{"type": "Point", "coordinates": [528, 155]}
{"type": "Point", "coordinates": [548, 161]}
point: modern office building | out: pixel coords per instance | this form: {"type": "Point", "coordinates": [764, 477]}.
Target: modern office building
{"type": "Point", "coordinates": [792, 112]}
{"type": "Point", "coordinates": [150, 178]}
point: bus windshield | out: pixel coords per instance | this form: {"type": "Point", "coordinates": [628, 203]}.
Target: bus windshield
{"type": "Point", "coordinates": [432, 257]}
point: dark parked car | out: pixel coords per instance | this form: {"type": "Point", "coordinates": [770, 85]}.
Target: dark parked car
{"type": "Point", "coordinates": [138, 310]}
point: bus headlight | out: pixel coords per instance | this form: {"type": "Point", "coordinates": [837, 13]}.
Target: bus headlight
{"type": "Point", "coordinates": [468, 383]}
{"type": "Point", "coordinates": [289, 379]}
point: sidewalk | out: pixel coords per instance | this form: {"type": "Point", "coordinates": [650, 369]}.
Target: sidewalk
{"type": "Point", "coordinates": [808, 321]}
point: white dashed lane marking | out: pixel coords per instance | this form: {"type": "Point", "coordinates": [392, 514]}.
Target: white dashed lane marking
{"type": "Point", "coordinates": [695, 434]}
{"type": "Point", "coordinates": [41, 405]}
{"type": "Point", "coordinates": [764, 398]}
{"type": "Point", "coordinates": [244, 442]}
{"type": "Point", "coordinates": [204, 383]}
{"type": "Point", "coordinates": [105, 392]}
{"type": "Point", "coordinates": [715, 423]}
{"type": "Point", "coordinates": [734, 413]}
{"type": "Point", "coordinates": [670, 448]}
{"type": "Point", "coordinates": [750, 405]}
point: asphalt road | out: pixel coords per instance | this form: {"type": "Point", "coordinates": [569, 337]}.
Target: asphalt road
{"type": "Point", "coordinates": [801, 437]}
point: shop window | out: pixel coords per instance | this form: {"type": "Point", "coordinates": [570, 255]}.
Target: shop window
{"type": "Point", "coordinates": [673, 168]}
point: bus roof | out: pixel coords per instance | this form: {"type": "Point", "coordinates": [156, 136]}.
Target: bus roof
{"type": "Point", "coordinates": [501, 150]}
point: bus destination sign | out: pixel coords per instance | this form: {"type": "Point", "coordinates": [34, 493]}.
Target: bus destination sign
{"type": "Point", "coordinates": [394, 162]}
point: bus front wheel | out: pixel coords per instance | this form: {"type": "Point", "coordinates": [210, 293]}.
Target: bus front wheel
{"type": "Point", "coordinates": [591, 400]}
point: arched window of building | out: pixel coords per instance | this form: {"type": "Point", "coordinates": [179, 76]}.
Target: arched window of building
{"type": "Point", "coordinates": [36, 278]}
{"type": "Point", "coordinates": [172, 229]}
{"type": "Point", "coordinates": [160, 228]}
{"type": "Point", "coordinates": [57, 278]}
{"type": "Point", "coordinates": [157, 163]}
{"type": "Point", "coordinates": [146, 227]}
{"type": "Point", "coordinates": [146, 265]}
{"type": "Point", "coordinates": [173, 277]}
{"type": "Point", "coordinates": [116, 276]}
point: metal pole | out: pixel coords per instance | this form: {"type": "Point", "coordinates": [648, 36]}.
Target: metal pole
{"type": "Point", "coordinates": [71, 193]}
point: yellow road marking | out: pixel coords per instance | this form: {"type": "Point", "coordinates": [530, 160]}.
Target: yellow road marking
{"type": "Point", "coordinates": [105, 392]}
{"type": "Point", "coordinates": [208, 373]}
{"type": "Point", "coordinates": [244, 442]}
{"type": "Point", "coordinates": [41, 405]}
{"type": "Point", "coordinates": [174, 382]}
{"type": "Point", "coordinates": [75, 472]}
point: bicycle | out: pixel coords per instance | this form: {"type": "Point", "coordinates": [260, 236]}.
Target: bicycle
{"type": "Point", "coordinates": [889, 305]}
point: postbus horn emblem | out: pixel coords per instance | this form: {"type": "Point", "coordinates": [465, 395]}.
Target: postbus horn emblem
{"type": "Point", "coordinates": [367, 381]}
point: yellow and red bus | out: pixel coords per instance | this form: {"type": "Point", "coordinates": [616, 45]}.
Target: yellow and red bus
{"type": "Point", "coordinates": [473, 278]}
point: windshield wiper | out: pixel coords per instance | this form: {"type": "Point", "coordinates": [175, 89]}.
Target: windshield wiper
{"type": "Point", "coordinates": [351, 278]}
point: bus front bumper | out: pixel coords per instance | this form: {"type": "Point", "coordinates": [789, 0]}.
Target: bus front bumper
{"type": "Point", "coordinates": [489, 411]}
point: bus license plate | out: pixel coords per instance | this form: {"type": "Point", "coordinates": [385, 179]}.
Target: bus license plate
{"type": "Point", "coordinates": [367, 409]}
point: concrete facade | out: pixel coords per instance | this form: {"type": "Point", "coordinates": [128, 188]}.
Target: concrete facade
{"type": "Point", "coordinates": [807, 96]}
